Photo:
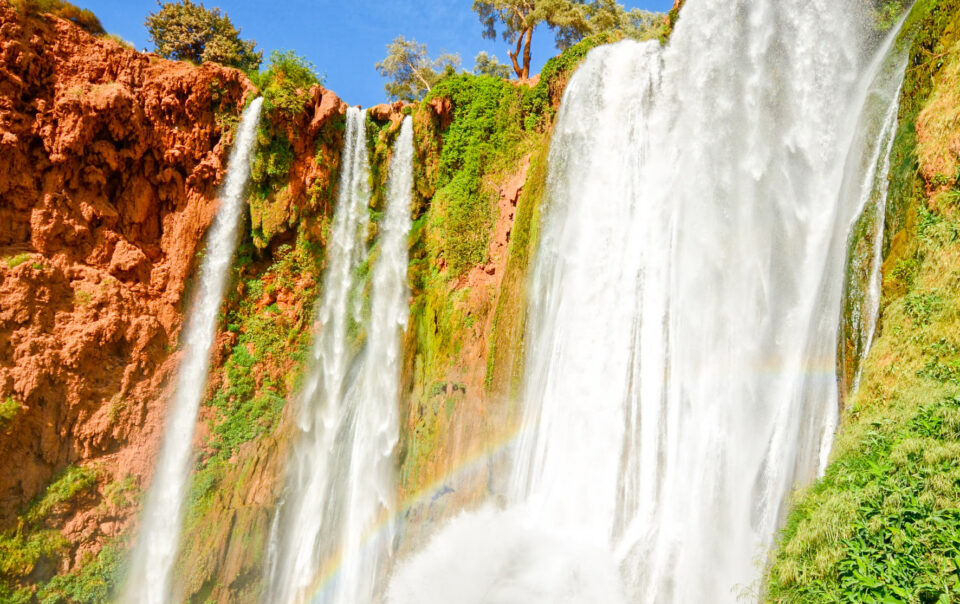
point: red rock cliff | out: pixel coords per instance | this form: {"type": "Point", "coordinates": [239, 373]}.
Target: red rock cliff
{"type": "Point", "coordinates": [109, 166]}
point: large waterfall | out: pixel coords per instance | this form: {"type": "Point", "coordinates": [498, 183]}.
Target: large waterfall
{"type": "Point", "coordinates": [333, 533]}
{"type": "Point", "coordinates": [149, 579]}
{"type": "Point", "coordinates": [684, 312]}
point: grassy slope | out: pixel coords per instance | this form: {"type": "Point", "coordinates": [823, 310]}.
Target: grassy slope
{"type": "Point", "coordinates": [883, 525]}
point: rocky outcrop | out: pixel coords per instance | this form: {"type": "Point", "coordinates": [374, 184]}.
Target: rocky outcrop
{"type": "Point", "coordinates": [111, 162]}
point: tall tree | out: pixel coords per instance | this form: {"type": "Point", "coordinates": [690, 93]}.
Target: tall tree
{"type": "Point", "coordinates": [519, 18]}
{"type": "Point", "coordinates": [186, 31]}
{"type": "Point", "coordinates": [410, 70]}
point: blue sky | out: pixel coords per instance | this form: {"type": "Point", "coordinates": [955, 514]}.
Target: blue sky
{"type": "Point", "coordinates": [345, 39]}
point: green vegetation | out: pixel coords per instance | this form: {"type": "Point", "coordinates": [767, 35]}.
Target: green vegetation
{"type": "Point", "coordinates": [32, 544]}
{"type": "Point", "coordinates": [15, 261]}
{"type": "Point", "coordinates": [69, 484]}
{"type": "Point", "coordinates": [9, 408]}
{"type": "Point", "coordinates": [286, 83]}
{"type": "Point", "coordinates": [505, 357]}
{"type": "Point", "coordinates": [572, 20]}
{"type": "Point", "coordinates": [255, 380]}
{"type": "Point", "coordinates": [489, 65]}
{"type": "Point", "coordinates": [265, 361]}
{"type": "Point", "coordinates": [268, 317]}
{"type": "Point", "coordinates": [483, 135]}
{"type": "Point", "coordinates": [285, 86]}
{"type": "Point", "coordinates": [887, 13]}
{"type": "Point", "coordinates": [883, 525]}
{"type": "Point", "coordinates": [186, 31]}
{"type": "Point", "coordinates": [93, 582]}
{"type": "Point", "coordinates": [410, 71]}
{"type": "Point", "coordinates": [82, 17]}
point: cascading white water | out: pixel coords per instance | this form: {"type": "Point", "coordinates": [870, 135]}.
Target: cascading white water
{"type": "Point", "coordinates": [334, 527]}
{"type": "Point", "coordinates": [153, 557]}
{"type": "Point", "coordinates": [684, 315]}
{"type": "Point", "coordinates": [878, 136]}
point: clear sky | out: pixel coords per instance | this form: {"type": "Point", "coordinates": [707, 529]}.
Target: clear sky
{"type": "Point", "coordinates": [346, 39]}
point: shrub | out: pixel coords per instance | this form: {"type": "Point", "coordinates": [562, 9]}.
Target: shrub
{"type": "Point", "coordinates": [189, 32]}
{"type": "Point", "coordinates": [9, 409]}
{"type": "Point", "coordinates": [286, 83]}
{"type": "Point", "coordinates": [92, 583]}
{"type": "Point", "coordinates": [15, 261]}
{"type": "Point", "coordinates": [82, 17]}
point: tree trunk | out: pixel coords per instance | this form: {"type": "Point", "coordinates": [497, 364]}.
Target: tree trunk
{"type": "Point", "coordinates": [528, 36]}
{"type": "Point", "coordinates": [515, 55]}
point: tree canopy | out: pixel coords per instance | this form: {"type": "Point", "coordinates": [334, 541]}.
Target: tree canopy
{"type": "Point", "coordinates": [571, 20]}
{"type": "Point", "coordinates": [518, 19]}
{"type": "Point", "coordinates": [486, 64]}
{"type": "Point", "coordinates": [187, 31]}
{"type": "Point", "coordinates": [410, 70]}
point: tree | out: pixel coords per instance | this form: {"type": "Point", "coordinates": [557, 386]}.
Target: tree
{"type": "Point", "coordinates": [602, 16]}
{"type": "Point", "coordinates": [189, 32]}
{"type": "Point", "coordinates": [411, 71]}
{"type": "Point", "coordinates": [485, 64]}
{"type": "Point", "coordinates": [520, 17]}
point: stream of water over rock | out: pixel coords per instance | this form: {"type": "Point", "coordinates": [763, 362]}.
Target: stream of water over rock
{"type": "Point", "coordinates": [149, 578]}
{"type": "Point", "coordinates": [333, 532]}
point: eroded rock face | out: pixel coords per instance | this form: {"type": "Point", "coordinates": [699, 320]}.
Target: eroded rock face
{"type": "Point", "coordinates": [109, 166]}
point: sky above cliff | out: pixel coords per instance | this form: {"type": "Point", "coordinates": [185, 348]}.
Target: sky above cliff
{"type": "Point", "coordinates": [346, 39]}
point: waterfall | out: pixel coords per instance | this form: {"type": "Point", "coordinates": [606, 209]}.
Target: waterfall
{"type": "Point", "coordinates": [333, 530]}
{"type": "Point", "coordinates": [684, 314]}
{"type": "Point", "coordinates": [152, 560]}
{"type": "Point", "coordinates": [864, 287]}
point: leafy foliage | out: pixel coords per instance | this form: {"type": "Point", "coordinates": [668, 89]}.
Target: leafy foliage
{"type": "Point", "coordinates": [410, 70]}
{"type": "Point", "coordinates": [519, 19]}
{"type": "Point", "coordinates": [68, 485]}
{"type": "Point", "coordinates": [884, 523]}
{"type": "Point", "coordinates": [571, 20]}
{"type": "Point", "coordinates": [489, 65]}
{"type": "Point", "coordinates": [187, 31]}
{"type": "Point", "coordinates": [285, 86]}
{"type": "Point", "coordinates": [486, 123]}
{"type": "Point", "coordinates": [84, 18]}
{"type": "Point", "coordinates": [31, 543]}
{"type": "Point", "coordinates": [886, 13]}
{"type": "Point", "coordinates": [17, 260]}
{"type": "Point", "coordinates": [286, 83]}
{"type": "Point", "coordinates": [541, 101]}
{"type": "Point", "coordinates": [93, 582]}
{"type": "Point", "coordinates": [9, 408]}
{"type": "Point", "coordinates": [263, 365]}
{"type": "Point", "coordinates": [609, 16]}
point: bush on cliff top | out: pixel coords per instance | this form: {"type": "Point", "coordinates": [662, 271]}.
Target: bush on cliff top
{"type": "Point", "coordinates": [285, 86]}
{"type": "Point", "coordinates": [286, 83]}
{"type": "Point", "coordinates": [189, 32]}
{"type": "Point", "coordinates": [80, 16]}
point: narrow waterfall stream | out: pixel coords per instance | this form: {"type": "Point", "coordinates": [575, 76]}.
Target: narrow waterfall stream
{"type": "Point", "coordinates": [332, 531]}
{"type": "Point", "coordinates": [149, 579]}
{"type": "Point", "coordinates": [681, 348]}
